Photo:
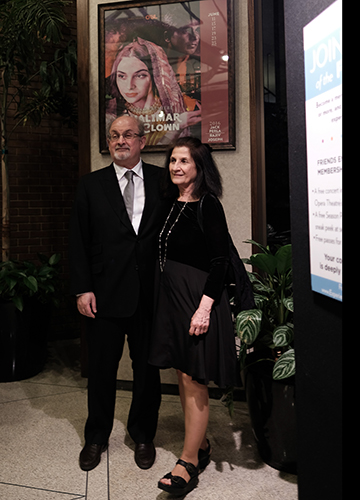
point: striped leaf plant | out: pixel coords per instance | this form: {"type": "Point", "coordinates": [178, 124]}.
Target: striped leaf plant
{"type": "Point", "coordinates": [270, 324]}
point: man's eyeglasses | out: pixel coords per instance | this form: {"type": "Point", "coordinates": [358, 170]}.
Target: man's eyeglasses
{"type": "Point", "coordinates": [128, 136]}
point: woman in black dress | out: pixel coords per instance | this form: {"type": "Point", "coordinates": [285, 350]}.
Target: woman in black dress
{"type": "Point", "coordinates": [193, 330]}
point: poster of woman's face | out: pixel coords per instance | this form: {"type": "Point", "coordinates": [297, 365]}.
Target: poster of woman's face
{"type": "Point", "coordinates": [169, 64]}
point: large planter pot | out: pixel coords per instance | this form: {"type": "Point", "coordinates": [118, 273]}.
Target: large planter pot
{"type": "Point", "coordinates": [272, 412]}
{"type": "Point", "coordinates": [23, 339]}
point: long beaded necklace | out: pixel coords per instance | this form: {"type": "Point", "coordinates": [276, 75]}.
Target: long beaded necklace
{"type": "Point", "coordinates": [162, 261]}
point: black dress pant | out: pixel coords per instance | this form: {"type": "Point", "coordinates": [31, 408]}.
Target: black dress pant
{"type": "Point", "coordinates": [105, 339]}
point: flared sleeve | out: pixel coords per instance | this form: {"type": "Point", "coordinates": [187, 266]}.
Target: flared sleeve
{"type": "Point", "coordinates": [216, 236]}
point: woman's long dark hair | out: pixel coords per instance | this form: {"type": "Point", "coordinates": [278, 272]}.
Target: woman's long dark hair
{"type": "Point", "coordinates": [208, 179]}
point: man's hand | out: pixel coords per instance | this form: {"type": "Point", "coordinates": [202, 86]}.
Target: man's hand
{"type": "Point", "coordinates": [86, 304]}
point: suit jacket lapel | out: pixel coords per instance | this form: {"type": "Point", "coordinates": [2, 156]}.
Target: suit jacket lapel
{"type": "Point", "coordinates": [112, 189]}
{"type": "Point", "coordinates": [151, 194]}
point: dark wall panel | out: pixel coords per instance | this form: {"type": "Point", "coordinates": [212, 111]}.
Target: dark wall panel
{"type": "Point", "coordinates": [318, 319]}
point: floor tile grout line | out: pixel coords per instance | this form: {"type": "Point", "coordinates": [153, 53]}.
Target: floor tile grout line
{"type": "Point", "coordinates": [57, 386]}
{"type": "Point", "coordinates": [108, 474]}
{"type": "Point", "coordinates": [39, 397]}
{"type": "Point", "coordinates": [40, 489]}
{"type": "Point", "coordinates": [86, 485]}
{"type": "Point", "coordinates": [50, 384]}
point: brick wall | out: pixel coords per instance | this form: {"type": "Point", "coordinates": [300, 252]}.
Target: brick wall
{"type": "Point", "coordinates": [43, 174]}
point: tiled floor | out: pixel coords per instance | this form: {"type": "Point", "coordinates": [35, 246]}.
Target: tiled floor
{"type": "Point", "coordinates": [41, 432]}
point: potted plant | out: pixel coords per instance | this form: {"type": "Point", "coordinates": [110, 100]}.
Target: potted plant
{"type": "Point", "coordinates": [27, 293]}
{"type": "Point", "coordinates": [267, 356]}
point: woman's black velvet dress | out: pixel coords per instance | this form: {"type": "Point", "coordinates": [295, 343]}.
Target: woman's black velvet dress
{"type": "Point", "coordinates": [195, 263]}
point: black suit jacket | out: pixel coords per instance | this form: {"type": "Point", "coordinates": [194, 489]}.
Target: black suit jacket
{"type": "Point", "coordinates": [107, 257]}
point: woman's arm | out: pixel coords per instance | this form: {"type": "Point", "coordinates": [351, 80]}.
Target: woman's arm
{"type": "Point", "coordinates": [216, 236]}
{"type": "Point", "coordinates": [200, 321]}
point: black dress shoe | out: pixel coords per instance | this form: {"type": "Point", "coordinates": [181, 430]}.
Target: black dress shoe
{"type": "Point", "coordinates": [145, 455]}
{"type": "Point", "coordinates": [90, 455]}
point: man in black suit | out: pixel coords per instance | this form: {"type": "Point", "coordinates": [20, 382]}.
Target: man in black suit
{"type": "Point", "coordinates": [112, 261]}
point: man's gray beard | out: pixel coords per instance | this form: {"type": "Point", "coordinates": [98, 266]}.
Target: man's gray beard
{"type": "Point", "coordinates": [121, 155]}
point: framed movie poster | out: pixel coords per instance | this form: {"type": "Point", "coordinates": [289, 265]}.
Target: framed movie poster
{"type": "Point", "coordinates": [170, 64]}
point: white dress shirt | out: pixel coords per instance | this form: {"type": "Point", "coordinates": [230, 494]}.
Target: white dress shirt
{"type": "Point", "coordinates": [139, 190]}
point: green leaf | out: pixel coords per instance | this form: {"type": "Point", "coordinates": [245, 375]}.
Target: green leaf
{"type": "Point", "coordinates": [261, 288]}
{"type": "Point", "coordinates": [54, 259]}
{"type": "Point", "coordinates": [31, 283]}
{"type": "Point", "coordinates": [260, 301]}
{"type": "Point", "coordinates": [248, 325]}
{"type": "Point", "coordinates": [283, 259]}
{"type": "Point", "coordinates": [45, 271]}
{"type": "Point", "coordinates": [283, 335]}
{"type": "Point", "coordinates": [242, 355]}
{"type": "Point", "coordinates": [252, 242]}
{"type": "Point", "coordinates": [10, 282]}
{"type": "Point", "coordinates": [289, 303]}
{"type": "Point", "coordinates": [265, 262]}
{"type": "Point", "coordinates": [18, 301]}
{"type": "Point", "coordinates": [43, 69]}
{"type": "Point", "coordinates": [285, 365]}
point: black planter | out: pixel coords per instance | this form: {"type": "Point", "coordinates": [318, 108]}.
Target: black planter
{"type": "Point", "coordinates": [23, 339]}
{"type": "Point", "coordinates": [272, 412]}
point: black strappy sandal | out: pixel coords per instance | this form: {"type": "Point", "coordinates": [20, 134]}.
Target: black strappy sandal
{"type": "Point", "coordinates": [178, 484]}
{"type": "Point", "coordinates": [204, 457]}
